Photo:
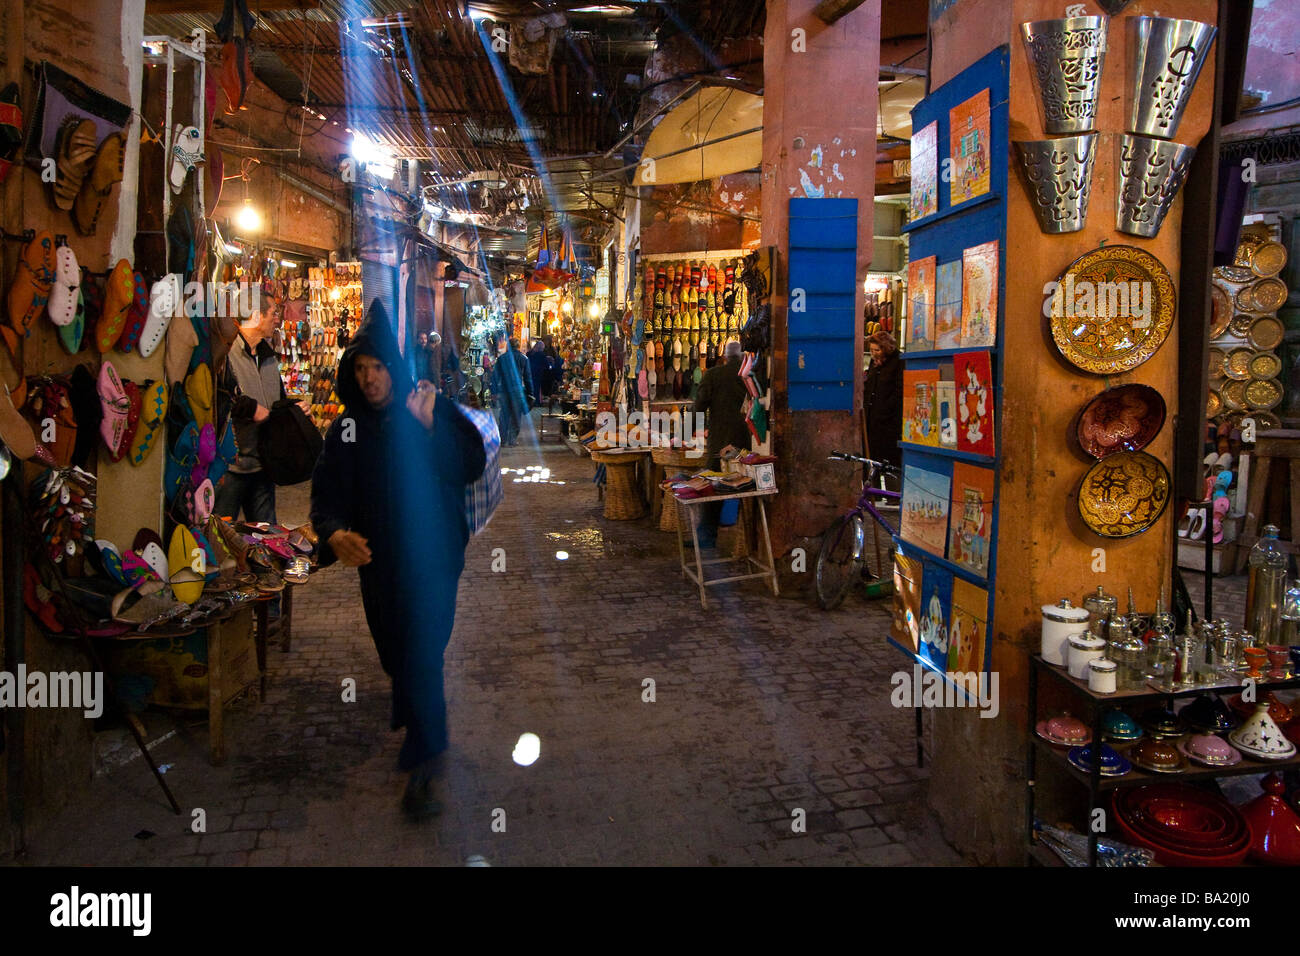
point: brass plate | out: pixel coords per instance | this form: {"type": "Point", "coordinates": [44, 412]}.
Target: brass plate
{"type": "Point", "coordinates": [1264, 365]}
{"type": "Point", "coordinates": [1269, 295]}
{"type": "Point", "coordinates": [1221, 313]}
{"type": "Point", "coordinates": [1268, 259]}
{"type": "Point", "coordinates": [1234, 396]}
{"type": "Point", "coordinates": [1213, 404]}
{"type": "Point", "coordinates": [1267, 332]}
{"type": "Point", "coordinates": [1124, 494]}
{"type": "Point", "coordinates": [1240, 324]}
{"type": "Point", "coordinates": [1265, 393]}
{"type": "Point", "coordinates": [1245, 299]}
{"type": "Point", "coordinates": [1215, 360]}
{"type": "Point", "coordinates": [1235, 274]}
{"type": "Point", "coordinates": [1266, 420]}
{"type": "Point", "coordinates": [1106, 344]}
{"type": "Point", "coordinates": [1237, 364]}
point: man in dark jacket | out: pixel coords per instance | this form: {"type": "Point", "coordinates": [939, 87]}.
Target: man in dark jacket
{"type": "Point", "coordinates": [512, 387]}
{"type": "Point", "coordinates": [721, 396]}
{"type": "Point", "coordinates": [388, 497]}
{"type": "Point", "coordinates": [882, 399]}
{"type": "Point", "coordinates": [540, 370]}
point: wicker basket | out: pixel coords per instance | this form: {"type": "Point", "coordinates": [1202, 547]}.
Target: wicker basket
{"type": "Point", "coordinates": [668, 514]}
{"type": "Point", "coordinates": [622, 494]}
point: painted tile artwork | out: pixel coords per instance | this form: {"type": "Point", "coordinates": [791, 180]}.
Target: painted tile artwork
{"type": "Point", "coordinates": [973, 372]}
{"type": "Point", "coordinates": [925, 173]}
{"type": "Point", "coordinates": [907, 601]}
{"type": "Point", "coordinates": [968, 133]}
{"type": "Point", "coordinates": [968, 626]}
{"type": "Point", "coordinates": [936, 600]}
{"type": "Point", "coordinates": [921, 406]}
{"type": "Point", "coordinates": [920, 305]}
{"type": "Point", "coordinates": [947, 305]}
{"type": "Point", "coordinates": [925, 508]}
{"type": "Point", "coordinates": [979, 286]}
{"type": "Point", "coordinates": [971, 525]}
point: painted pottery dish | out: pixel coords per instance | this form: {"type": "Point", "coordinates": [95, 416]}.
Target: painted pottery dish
{"type": "Point", "coordinates": [1185, 820]}
{"type": "Point", "coordinates": [1112, 310]}
{"type": "Point", "coordinates": [1263, 394]}
{"type": "Point", "coordinates": [1112, 764]}
{"type": "Point", "coordinates": [1264, 365]}
{"type": "Point", "coordinates": [1209, 751]}
{"type": "Point", "coordinates": [1123, 494]}
{"type": "Point", "coordinates": [1237, 364]}
{"type": "Point", "coordinates": [1269, 295]}
{"type": "Point", "coordinates": [1162, 722]}
{"type": "Point", "coordinates": [1268, 258]}
{"type": "Point", "coordinates": [1235, 274]}
{"type": "Point", "coordinates": [1124, 418]}
{"type": "Point", "coordinates": [1221, 314]}
{"type": "Point", "coordinates": [1158, 756]}
{"type": "Point", "coordinates": [1213, 404]}
{"type": "Point", "coordinates": [1240, 324]}
{"type": "Point", "coordinates": [1064, 731]}
{"type": "Point", "coordinates": [1244, 300]}
{"type": "Point", "coordinates": [1267, 332]}
{"type": "Point", "coordinates": [1209, 715]}
{"type": "Point", "coordinates": [1278, 710]}
{"type": "Point", "coordinates": [1120, 727]}
{"type": "Point", "coordinates": [1234, 395]}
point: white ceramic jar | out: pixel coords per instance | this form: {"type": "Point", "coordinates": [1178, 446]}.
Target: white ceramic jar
{"type": "Point", "coordinates": [1084, 648]}
{"type": "Point", "coordinates": [1061, 621]}
{"type": "Point", "coordinates": [1102, 676]}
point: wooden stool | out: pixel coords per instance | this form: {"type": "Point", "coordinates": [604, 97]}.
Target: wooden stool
{"type": "Point", "coordinates": [622, 492]}
{"type": "Point", "coordinates": [1281, 444]}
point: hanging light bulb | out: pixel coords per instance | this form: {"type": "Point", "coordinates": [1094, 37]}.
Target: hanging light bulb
{"type": "Point", "coordinates": [249, 219]}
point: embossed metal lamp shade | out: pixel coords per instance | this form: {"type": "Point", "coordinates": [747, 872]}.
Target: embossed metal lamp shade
{"type": "Point", "coordinates": [1151, 171]}
{"type": "Point", "coordinates": [1165, 58]}
{"type": "Point", "coordinates": [1058, 173]}
{"type": "Point", "coordinates": [1067, 56]}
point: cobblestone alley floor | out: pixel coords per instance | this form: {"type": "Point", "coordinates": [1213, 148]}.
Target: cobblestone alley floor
{"type": "Point", "coordinates": [763, 705]}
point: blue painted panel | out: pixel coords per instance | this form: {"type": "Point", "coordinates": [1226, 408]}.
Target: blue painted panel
{"type": "Point", "coordinates": [824, 233]}
{"type": "Point", "coordinates": [823, 271]}
{"type": "Point", "coordinates": [820, 360]}
{"type": "Point", "coordinates": [824, 337]}
{"type": "Point", "coordinates": [806, 397]}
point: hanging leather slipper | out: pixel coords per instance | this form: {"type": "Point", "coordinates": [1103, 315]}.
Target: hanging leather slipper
{"type": "Point", "coordinates": [30, 289]}
{"type": "Point", "coordinates": [11, 119]}
{"type": "Point", "coordinates": [198, 391]}
{"type": "Point", "coordinates": [115, 404]}
{"type": "Point", "coordinates": [187, 152]}
{"type": "Point", "coordinates": [164, 298]}
{"type": "Point", "coordinates": [17, 435]}
{"type": "Point", "coordinates": [135, 398]}
{"type": "Point", "coordinates": [71, 335]}
{"type": "Point", "coordinates": [204, 499]}
{"type": "Point", "coordinates": [152, 416]}
{"type": "Point", "coordinates": [74, 151]}
{"type": "Point", "coordinates": [137, 314]}
{"type": "Point", "coordinates": [119, 293]}
{"type": "Point", "coordinates": [66, 289]}
{"type": "Point", "coordinates": [181, 342]}
{"type": "Point", "coordinates": [111, 561]}
{"type": "Point", "coordinates": [105, 173]}
{"type": "Point", "coordinates": [153, 553]}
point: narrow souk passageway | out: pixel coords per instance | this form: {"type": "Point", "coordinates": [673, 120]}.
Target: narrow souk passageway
{"type": "Point", "coordinates": [762, 706]}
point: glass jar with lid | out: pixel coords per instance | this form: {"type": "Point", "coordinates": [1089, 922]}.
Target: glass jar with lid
{"type": "Point", "coordinates": [1128, 652]}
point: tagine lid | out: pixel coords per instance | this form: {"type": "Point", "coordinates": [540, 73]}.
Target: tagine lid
{"type": "Point", "coordinates": [1260, 737]}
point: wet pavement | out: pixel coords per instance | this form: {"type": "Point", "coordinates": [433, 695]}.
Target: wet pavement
{"type": "Point", "coordinates": [767, 713]}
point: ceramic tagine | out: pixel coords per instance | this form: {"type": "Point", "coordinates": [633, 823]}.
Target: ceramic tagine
{"type": "Point", "coordinates": [1274, 826]}
{"type": "Point", "coordinates": [1261, 738]}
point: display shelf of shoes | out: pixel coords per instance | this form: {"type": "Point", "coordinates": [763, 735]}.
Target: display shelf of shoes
{"type": "Point", "coordinates": [1096, 706]}
{"type": "Point", "coordinates": [334, 305]}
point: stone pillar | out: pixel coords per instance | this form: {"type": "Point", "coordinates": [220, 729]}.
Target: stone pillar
{"type": "Point", "coordinates": [819, 138]}
{"type": "Point", "coordinates": [1044, 550]}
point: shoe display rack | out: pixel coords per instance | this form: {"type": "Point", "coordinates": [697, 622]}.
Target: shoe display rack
{"type": "Point", "coordinates": [334, 310]}
{"type": "Point", "coordinates": [1099, 786]}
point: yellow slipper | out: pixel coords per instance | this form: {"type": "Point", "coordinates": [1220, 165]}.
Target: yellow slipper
{"type": "Point", "coordinates": [152, 415]}
{"type": "Point", "coordinates": [187, 584]}
{"type": "Point", "coordinates": [198, 389]}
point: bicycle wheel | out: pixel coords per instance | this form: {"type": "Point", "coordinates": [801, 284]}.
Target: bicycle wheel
{"type": "Point", "coordinates": [838, 561]}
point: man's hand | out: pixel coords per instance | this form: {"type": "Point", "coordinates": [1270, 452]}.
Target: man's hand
{"type": "Point", "coordinates": [350, 547]}
{"type": "Point", "coordinates": [262, 414]}
{"type": "Point", "coordinates": [421, 401]}
{"type": "Point", "coordinates": [305, 405]}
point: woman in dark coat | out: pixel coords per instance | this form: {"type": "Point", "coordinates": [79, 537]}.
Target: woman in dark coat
{"type": "Point", "coordinates": [882, 399]}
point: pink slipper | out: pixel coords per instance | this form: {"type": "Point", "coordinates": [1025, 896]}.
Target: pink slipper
{"type": "Point", "coordinates": [116, 405]}
{"type": "Point", "coordinates": [205, 497]}
{"type": "Point", "coordinates": [66, 289]}
{"type": "Point", "coordinates": [137, 569]}
{"type": "Point", "coordinates": [207, 451]}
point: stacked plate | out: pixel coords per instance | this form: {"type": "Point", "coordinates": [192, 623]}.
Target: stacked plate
{"type": "Point", "coordinates": [1185, 826]}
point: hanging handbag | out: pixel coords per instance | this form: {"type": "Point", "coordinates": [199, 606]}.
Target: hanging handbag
{"type": "Point", "coordinates": [485, 494]}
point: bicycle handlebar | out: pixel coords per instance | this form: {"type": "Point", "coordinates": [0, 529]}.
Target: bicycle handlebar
{"type": "Point", "coordinates": [846, 456]}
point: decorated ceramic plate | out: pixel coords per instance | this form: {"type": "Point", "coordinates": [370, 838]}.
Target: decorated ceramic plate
{"type": "Point", "coordinates": [1124, 418]}
{"type": "Point", "coordinates": [1240, 324]}
{"type": "Point", "coordinates": [1124, 494]}
{"type": "Point", "coordinates": [1112, 309]}
{"type": "Point", "coordinates": [1221, 314]}
{"type": "Point", "coordinates": [1237, 364]}
{"type": "Point", "coordinates": [1263, 394]}
{"type": "Point", "coordinates": [1234, 396]}
{"type": "Point", "coordinates": [1268, 258]}
{"type": "Point", "coordinates": [1235, 274]}
{"type": "Point", "coordinates": [1213, 404]}
{"type": "Point", "coordinates": [1269, 295]}
{"type": "Point", "coordinates": [1267, 332]}
{"type": "Point", "coordinates": [1214, 358]}
{"type": "Point", "coordinates": [1264, 365]}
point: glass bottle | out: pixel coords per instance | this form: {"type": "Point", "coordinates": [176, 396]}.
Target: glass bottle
{"type": "Point", "coordinates": [1291, 615]}
{"type": "Point", "coordinates": [1265, 588]}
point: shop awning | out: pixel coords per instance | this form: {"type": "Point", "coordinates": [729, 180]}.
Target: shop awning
{"type": "Point", "coordinates": [716, 131]}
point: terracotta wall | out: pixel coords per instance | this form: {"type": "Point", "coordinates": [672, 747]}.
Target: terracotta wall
{"type": "Point", "coordinates": [1044, 550]}
{"type": "Point", "coordinates": [718, 213]}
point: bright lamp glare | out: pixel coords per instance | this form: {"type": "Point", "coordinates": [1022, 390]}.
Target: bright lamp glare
{"type": "Point", "coordinates": [527, 750]}
{"type": "Point", "coordinates": [249, 219]}
{"type": "Point", "coordinates": [567, 307]}
{"type": "Point", "coordinates": [593, 310]}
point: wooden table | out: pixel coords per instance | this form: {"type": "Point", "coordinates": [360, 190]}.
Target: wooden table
{"type": "Point", "coordinates": [620, 477]}
{"type": "Point", "coordinates": [661, 460]}
{"type": "Point", "coordinates": [696, 574]}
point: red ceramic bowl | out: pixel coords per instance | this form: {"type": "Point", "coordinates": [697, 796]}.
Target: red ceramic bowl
{"type": "Point", "coordinates": [1191, 820]}
{"type": "Point", "coordinates": [1143, 808]}
{"type": "Point", "coordinates": [1168, 856]}
{"type": "Point", "coordinates": [1218, 846]}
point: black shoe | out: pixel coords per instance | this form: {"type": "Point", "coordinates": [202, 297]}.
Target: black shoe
{"type": "Point", "coordinates": [419, 801]}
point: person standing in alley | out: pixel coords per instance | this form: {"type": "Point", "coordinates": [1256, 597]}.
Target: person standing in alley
{"type": "Point", "coordinates": [388, 498]}
{"type": "Point", "coordinates": [882, 399]}
{"type": "Point", "coordinates": [513, 391]}
{"type": "Point", "coordinates": [721, 396]}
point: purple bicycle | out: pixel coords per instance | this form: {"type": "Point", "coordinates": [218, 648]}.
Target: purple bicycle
{"type": "Point", "coordinates": [843, 556]}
